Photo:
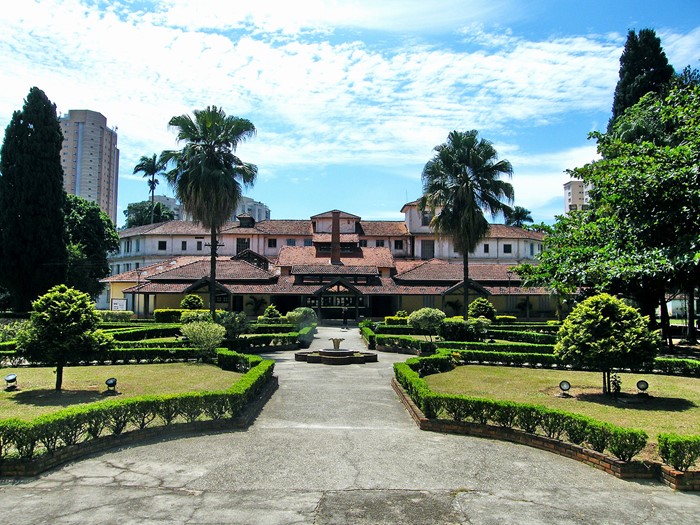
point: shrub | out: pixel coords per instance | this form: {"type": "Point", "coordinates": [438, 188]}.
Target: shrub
{"type": "Point", "coordinates": [167, 315]}
{"type": "Point", "coordinates": [115, 316]}
{"type": "Point", "coordinates": [625, 443]}
{"type": "Point", "coordinates": [395, 320]}
{"type": "Point", "coordinates": [301, 317]}
{"type": "Point", "coordinates": [10, 331]}
{"type": "Point", "coordinates": [204, 336]}
{"type": "Point", "coordinates": [271, 312]}
{"type": "Point", "coordinates": [192, 302]}
{"type": "Point", "coordinates": [235, 323]}
{"type": "Point", "coordinates": [463, 330]}
{"type": "Point", "coordinates": [681, 452]}
{"type": "Point", "coordinates": [401, 313]}
{"type": "Point", "coordinates": [193, 316]}
{"type": "Point", "coordinates": [427, 320]}
{"type": "Point", "coordinates": [481, 307]}
{"type": "Point", "coordinates": [505, 319]}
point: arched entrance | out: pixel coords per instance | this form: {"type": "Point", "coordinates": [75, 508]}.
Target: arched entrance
{"type": "Point", "coordinates": [339, 298]}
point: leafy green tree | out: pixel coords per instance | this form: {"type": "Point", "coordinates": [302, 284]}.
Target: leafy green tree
{"type": "Point", "coordinates": [518, 216]}
{"type": "Point", "coordinates": [91, 238]}
{"type": "Point", "coordinates": [142, 213]}
{"type": "Point", "coordinates": [604, 333]}
{"type": "Point", "coordinates": [32, 244]}
{"type": "Point", "coordinates": [151, 167]}
{"type": "Point", "coordinates": [302, 316]}
{"type": "Point", "coordinates": [207, 175]}
{"type": "Point", "coordinates": [643, 68]}
{"type": "Point", "coordinates": [459, 183]}
{"type": "Point", "coordinates": [235, 323]}
{"type": "Point", "coordinates": [62, 330]}
{"type": "Point", "coordinates": [192, 302]}
{"type": "Point", "coordinates": [482, 307]}
{"type": "Point", "coordinates": [427, 320]}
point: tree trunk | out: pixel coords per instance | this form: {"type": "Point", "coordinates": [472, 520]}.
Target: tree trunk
{"type": "Point", "coordinates": [153, 198]}
{"type": "Point", "coordinates": [59, 376]}
{"type": "Point", "coordinates": [692, 332]}
{"type": "Point", "coordinates": [465, 292]}
{"type": "Point", "coordinates": [606, 382]}
{"type": "Point", "coordinates": [212, 274]}
{"type": "Point", "coordinates": [665, 322]}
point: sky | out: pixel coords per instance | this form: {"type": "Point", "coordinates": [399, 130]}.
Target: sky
{"type": "Point", "coordinates": [349, 97]}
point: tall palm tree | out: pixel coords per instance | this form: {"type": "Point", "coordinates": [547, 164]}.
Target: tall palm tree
{"type": "Point", "coordinates": [518, 216]}
{"type": "Point", "coordinates": [206, 173]}
{"type": "Point", "coordinates": [151, 167]}
{"type": "Point", "coordinates": [459, 184]}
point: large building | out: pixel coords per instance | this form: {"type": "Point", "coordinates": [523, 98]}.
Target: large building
{"type": "Point", "coordinates": [575, 195]}
{"type": "Point", "coordinates": [331, 261]}
{"type": "Point", "coordinates": [90, 158]}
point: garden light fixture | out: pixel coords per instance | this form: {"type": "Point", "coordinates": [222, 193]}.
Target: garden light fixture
{"type": "Point", "coordinates": [111, 385]}
{"type": "Point", "coordinates": [642, 386]}
{"type": "Point", "coordinates": [564, 386]}
{"type": "Point", "coordinates": [11, 381]}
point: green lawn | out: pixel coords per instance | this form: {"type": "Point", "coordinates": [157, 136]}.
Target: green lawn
{"type": "Point", "coordinates": [673, 404]}
{"type": "Point", "coordinates": [86, 384]}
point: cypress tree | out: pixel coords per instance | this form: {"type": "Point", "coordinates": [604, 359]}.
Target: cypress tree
{"type": "Point", "coordinates": [32, 246]}
{"type": "Point", "coordinates": [643, 68]}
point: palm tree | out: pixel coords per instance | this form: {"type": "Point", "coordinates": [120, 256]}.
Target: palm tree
{"type": "Point", "coordinates": [206, 172]}
{"type": "Point", "coordinates": [459, 184]}
{"type": "Point", "coordinates": [518, 216]}
{"type": "Point", "coordinates": [150, 167]}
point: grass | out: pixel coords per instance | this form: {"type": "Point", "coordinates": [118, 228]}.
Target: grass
{"type": "Point", "coordinates": [673, 404]}
{"type": "Point", "coordinates": [86, 384]}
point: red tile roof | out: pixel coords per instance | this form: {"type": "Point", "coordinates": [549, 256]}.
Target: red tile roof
{"type": "Point", "coordinates": [226, 269]}
{"type": "Point", "coordinates": [306, 255]}
{"type": "Point", "coordinates": [384, 228]}
{"type": "Point", "coordinates": [344, 237]}
{"type": "Point", "coordinates": [334, 269]}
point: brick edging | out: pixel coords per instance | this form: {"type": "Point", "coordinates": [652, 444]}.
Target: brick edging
{"type": "Point", "coordinates": [31, 467]}
{"type": "Point", "coordinates": [686, 481]}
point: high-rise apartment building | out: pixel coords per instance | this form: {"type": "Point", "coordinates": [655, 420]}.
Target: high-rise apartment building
{"type": "Point", "coordinates": [90, 158]}
{"type": "Point", "coordinates": [575, 196]}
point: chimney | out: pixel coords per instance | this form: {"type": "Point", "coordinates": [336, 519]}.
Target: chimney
{"type": "Point", "coordinates": [335, 239]}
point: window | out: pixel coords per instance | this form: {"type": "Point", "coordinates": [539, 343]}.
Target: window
{"type": "Point", "coordinates": [379, 243]}
{"type": "Point", "coordinates": [162, 245]}
{"type": "Point", "coordinates": [117, 269]}
{"type": "Point", "coordinates": [127, 267]}
{"type": "Point", "coordinates": [138, 245]}
{"type": "Point", "coordinates": [308, 242]}
{"type": "Point", "coordinates": [507, 248]}
{"type": "Point", "coordinates": [398, 244]}
{"type": "Point", "coordinates": [532, 249]}
{"type": "Point", "coordinates": [291, 242]}
{"type": "Point", "coordinates": [363, 243]}
{"type": "Point", "coordinates": [136, 266]}
{"type": "Point", "coordinates": [199, 246]}
{"type": "Point", "coordinates": [242, 245]}
{"type": "Point", "coordinates": [426, 218]}
{"type": "Point", "coordinates": [486, 247]}
{"type": "Point", "coordinates": [184, 245]}
{"type": "Point", "coordinates": [272, 243]}
{"type": "Point", "coordinates": [127, 246]}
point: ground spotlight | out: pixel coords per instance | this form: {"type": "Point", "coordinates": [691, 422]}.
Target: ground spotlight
{"type": "Point", "coordinates": [564, 386]}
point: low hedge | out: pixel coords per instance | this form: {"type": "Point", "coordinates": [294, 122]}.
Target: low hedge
{"type": "Point", "coordinates": [623, 443]}
{"type": "Point", "coordinates": [149, 332]}
{"type": "Point", "coordinates": [395, 329]}
{"type": "Point", "coordinates": [278, 328]}
{"type": "Point", "coordinates": [115, 316]}
{"type": "Point", "coordinates": [529, 348]}
{"type": "Point", "coordinates": [369, 336]}
{"type": "Point", "coordinates": [168, 315]}
{"type": "Point", "coordinates": [523, 337]}
{"type": "Point", "coordinates": [180, 343]}
{"type": "Point", "coordinates": [395, 321]}
{"type": "Point", "coordinates": [681, 452]}
{"type": "Point", "coordinates": [148, 354]}
{"type": "Point", "coordinates": [679, 367]}
{"type": "Point", "coordinates": [306, 335]}
{"type": "Point", "coordinates": [80, 424]}
{"type": "Point", "coordinates": [509, 358]}
{"type": "Point", "coordinates": [257, 341]}
{"type": "Point", "coordinates": [8, 346]}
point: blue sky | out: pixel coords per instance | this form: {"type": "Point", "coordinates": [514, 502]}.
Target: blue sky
{"type": "Point", "coordinates": [348, 97]}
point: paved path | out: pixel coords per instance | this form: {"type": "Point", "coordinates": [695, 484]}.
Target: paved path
{"type": "Point", "coordinates": [335, 446]}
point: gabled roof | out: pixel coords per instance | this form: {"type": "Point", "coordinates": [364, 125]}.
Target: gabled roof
{"type": "Point", "coordinates": [334, 269]}
{"type": "Point", "coordinates": [384, 228]}
{"type": "Point", "coordinates": [284, 227]}
{"type": "Point", "coordinates": [306, 255]}
{"type": "Point", "coordinates": [329, 214]}
{"type": "Point", "coordinates": [153, 269]}
{"type": "Point", "coordinates": [501, 231]}
{"type": "Point", "coordinates": [226, 270]}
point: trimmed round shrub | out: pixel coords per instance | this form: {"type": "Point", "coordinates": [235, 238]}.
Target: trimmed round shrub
{"type": "Point", "coordinates": [192, 302]}
{"type": "Point", "coordinates": [481, 307]}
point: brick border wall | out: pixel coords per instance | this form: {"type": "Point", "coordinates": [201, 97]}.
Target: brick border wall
{"type": "Point", "coordinates": [686, 481]}
{"type": "Point", "coordinates": [34, 466]}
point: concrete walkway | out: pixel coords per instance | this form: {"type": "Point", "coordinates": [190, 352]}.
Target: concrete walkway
{"type": "Point", "coordinates": [335, 446]}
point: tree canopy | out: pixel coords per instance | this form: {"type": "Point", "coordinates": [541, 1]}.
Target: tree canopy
{"type": "Point", "coordinates": [32, 244]}
{"type": "Point", "coordinates": [206, 173]}
{"type": "Point", "coordinates": [460, 183]}
{"type": "Point", "coordinates": [142, 213]}
{"type": "Point", "coordinates": [518, 216]}
{"type": "Point", "coordinates": [603, 333]}
{"type": "Point", "coordinates": [91, 237]}
{"type": "Point", "coordinates": [62, 330]}
{"type": "Point", "coordinates": [644, 68]}
{"type": "Point", "coordinates": [151, 167]}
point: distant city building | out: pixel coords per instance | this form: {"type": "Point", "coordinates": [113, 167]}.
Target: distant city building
{"type": "Point", "coordinates": [575, 196]}
{"type": "Point", "coordinates": [172, 204]}
{"type": "Point", "coordinates": [90, 158]}
{"type": "Point", "coordinates": [257, 210]}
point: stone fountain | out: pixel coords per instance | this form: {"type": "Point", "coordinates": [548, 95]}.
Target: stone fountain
{"type": "Point", "coordinates": [336, 356]}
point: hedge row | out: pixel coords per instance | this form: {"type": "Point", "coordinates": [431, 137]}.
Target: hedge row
{"type": "Point", "coordinates": [528, 348]}
{"type": "Point", "coordinates": [681, 452]}
{"type": "Point", "coordinates": [306, 335]}
{"type": "Point", "coordinates": [368, 335]}
{"type": "Point", "coordinates": [405, 341]}
{"type": "Point", "coordinates": [523, 337]}
{"type": "Point", "coordinates": [509, 358]}
{"type": "Point", "coordinates": [395, 321]}
{"type": "Point", "coordinates": [251, 342]}
{"type": "Point", "coordinates": [266, 328]}
{"type": "Point", "coordinates": [115, 316]}
{"type": "Point", "coordinates": [621, 442]}
{"type": "Point", "coordinates": [395, 329]}
{"type": "Point", "coordinates": [81, 424]}
{"type": "Point", "coordinates": [681, 367]}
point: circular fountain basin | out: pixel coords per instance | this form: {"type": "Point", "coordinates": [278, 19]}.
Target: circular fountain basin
{"type": "Point", "coordinates": [336, 357]}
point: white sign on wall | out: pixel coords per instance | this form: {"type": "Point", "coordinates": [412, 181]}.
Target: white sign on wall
{"type": "Point", "coordinates": [119, 304]}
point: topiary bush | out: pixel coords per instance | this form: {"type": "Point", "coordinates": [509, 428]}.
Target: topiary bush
{"type": "Point", "coordinates": [192, 302]}
{"type": "Point", "coordinates": [427, 320]}
{"type": "Point", "coordinates": [481, 307]}
{"type": "Point", "coordinates": [463, 330]}
{"type": "Point", "coordinates": [681, 452]}
{"type": "Point", "coordinates": [206, 337]}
